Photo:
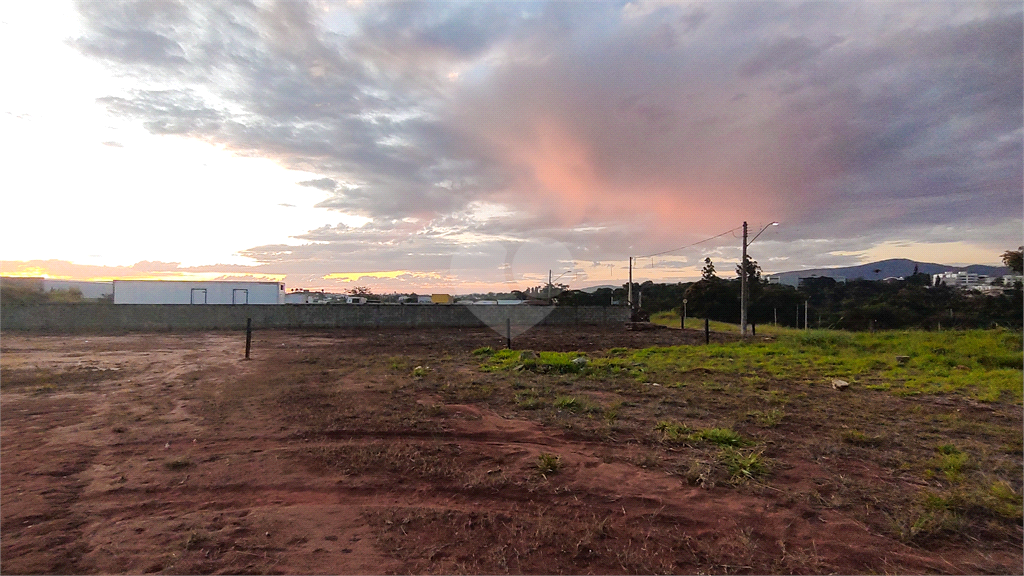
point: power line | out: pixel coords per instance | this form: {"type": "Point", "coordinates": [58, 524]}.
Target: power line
{"type": "Point", "coordinates": [691, 245]}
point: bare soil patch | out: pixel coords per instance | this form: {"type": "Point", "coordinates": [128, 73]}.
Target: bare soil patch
{"type": "Point", "coordinates": [391, 451]}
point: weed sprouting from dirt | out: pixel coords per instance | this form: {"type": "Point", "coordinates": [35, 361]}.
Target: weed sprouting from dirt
{"type": "Point", "coordinates": [673, 431]}
{"type": "Point", "coordinates": [177, 463]}
{"type": "Point", "coordinates": [767, 418]}
{"type": "Point", "coordinates": [858, 438]}
{"type": "Point", "coordinates": [743, 465]}
{"type": "Point", "coordinates": [548, 463]}
{"type": "Point", "coordinates": [720, 437]}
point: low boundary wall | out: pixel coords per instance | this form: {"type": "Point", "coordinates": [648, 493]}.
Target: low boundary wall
{"type": "Point", "coordinates": [89, 318]}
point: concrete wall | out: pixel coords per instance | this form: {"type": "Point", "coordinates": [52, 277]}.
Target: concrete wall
{"type": "Point", "coordinates": [98, 318]}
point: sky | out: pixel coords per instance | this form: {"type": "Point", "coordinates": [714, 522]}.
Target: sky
{"type": "Point", "coordinates": [476, 146]}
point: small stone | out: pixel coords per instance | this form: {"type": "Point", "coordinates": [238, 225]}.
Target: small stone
{"type": "Point", "coordinates": [580, 361]}
{"type": "Point", "coordinates": [840, 384]}
{"type": "Point", "coordinates": [527, 355]}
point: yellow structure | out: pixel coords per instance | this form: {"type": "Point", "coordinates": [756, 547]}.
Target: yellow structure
{"type": "Point", "coordinates": [441, 298]}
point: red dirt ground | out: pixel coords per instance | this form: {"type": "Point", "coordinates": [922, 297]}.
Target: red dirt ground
{"type": "Point", "coordinates": [158, 453]}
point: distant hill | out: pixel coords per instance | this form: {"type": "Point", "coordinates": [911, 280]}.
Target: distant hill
{"type": "Point", "coordinates": [592, 289]}
{"type": "Point", "coordinates": [895, 267]}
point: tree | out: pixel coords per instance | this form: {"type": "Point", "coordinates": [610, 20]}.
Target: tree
{"type": "Point", "coordinates": [753, 271]}
{"type": "Point", "coordinates": [360, 291]}
{"type": "Point", "coordinates": [708, 271]}
{"type": "Point", "coordinates": [1014, 260]}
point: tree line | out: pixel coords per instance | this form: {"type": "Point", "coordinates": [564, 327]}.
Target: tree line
{"type": "Point", "coordinates": [854, 305]}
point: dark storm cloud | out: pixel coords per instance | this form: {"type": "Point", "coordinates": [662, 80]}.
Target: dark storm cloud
{"type": "Point", "coordinates": [845, 120]}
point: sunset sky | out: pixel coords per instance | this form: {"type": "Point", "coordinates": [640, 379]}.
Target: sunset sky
{"type": "Point", "coordinates": [476, 145]}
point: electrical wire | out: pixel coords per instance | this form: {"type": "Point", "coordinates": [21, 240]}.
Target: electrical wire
{"type": "Point", "coordinates": [689, 245]}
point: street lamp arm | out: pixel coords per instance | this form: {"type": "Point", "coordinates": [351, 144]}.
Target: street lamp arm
{"type": "Point", "coordinates": [762, 232]}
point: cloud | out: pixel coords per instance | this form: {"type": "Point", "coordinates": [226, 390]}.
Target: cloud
{"type": "Point", "coordinates": [327, 184]}
{"type": "Point", "coordinates": [648, 124]}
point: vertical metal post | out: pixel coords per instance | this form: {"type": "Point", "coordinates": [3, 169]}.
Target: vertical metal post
{"type": "Point", "coordinates": [248, 336]}
{"type": "Point", "coordinates": [743, 286]}
{"type": "Point", "coordinates": [683, 323]}
{"type": "Point", "coordinates": [508, 333]}
{"type": "Point", "coordinates": [629, 288]}
{"type": "Point", "coordinates": [807, 304]}
{"type": "Point", "coordinates": [707, 332]}
{"type": "Point", "coordinates": [753, 329]}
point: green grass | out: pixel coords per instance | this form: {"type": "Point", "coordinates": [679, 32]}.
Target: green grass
{"type": "Point", "coordinates": [743, 465]}
{"type": "Point", "coordinates": [671, 319]}
{"type": "Point", "coordinates": [952, 462]}
{"type": "Point", "coordinates": [548, 463]}
{"type": "Point", "coordinates": [544, 362]}
{"type": "Point", "coordinates": [982, 364]}
{"type": "Point", "coordinates": [676, 432]}
{"type": "Point", "coordinates": [767, 418]}
{"type": "Point", "coordinates": [719, 437]}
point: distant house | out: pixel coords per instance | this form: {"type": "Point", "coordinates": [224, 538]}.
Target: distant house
{"type": "Point", "coordinates": [441, 298]}
{"type": "Point", "coordinates": [197, 292]}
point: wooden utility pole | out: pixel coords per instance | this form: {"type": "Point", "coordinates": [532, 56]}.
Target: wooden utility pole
{"type": "Point", "coordinates": [743, 285]}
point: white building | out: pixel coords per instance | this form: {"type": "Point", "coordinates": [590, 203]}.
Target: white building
{"type": "Point", "coordinates": [960, 279]}
{"type": "Point", "coordinates": [197, 292]}
{"type": "Point", "coordinates": [93, 290]}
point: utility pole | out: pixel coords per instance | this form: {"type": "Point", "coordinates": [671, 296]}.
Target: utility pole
{"type": "Point", "coordinates": [807, 305]}
{"type": "Point", "coordinates": [743, 285]}
{"type": "Point", "coordinates": [549, 286]}
{"type": "Point", "coordinates": [629, 289]}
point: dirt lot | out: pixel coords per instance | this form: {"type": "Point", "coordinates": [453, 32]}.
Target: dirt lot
{"type": "Point", "coordinates": [393, 452]}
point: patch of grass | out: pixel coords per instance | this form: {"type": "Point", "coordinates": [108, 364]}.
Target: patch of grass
{"type": "Point", "coordinates": [673, 430]}
{"type": "Point", "coordinates": [178, 463]}
{"type": "Point", "coordinates": [743, 465]}
{"type": "Point", "coordinates": [420, 371]}
{"type": "Point", "coordinates": [767, 418]}
{"type": "Point", "coordinates": [484, 351]}
{"type": "Point", "coordinates": [548, 463]}
{"type": "Point", "coordinates": [982, 364]}
{"type": "Point", "coordinates": [574, 404]}
{"type": "Point", "coordinates": [858, 438]}
{"type": "Point", "coordinates": [611, 414]}
{"type": "Point", "coordinates": [529, 400]}
{"type": "Point", "coordinates": [719, 437]}
{"type": "Point", "coordinates": [952, 462]}
{"type": "Point", "coordinates": [195, 540]}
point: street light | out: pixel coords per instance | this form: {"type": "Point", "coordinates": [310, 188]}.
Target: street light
{"type": "Point", "coordinates": [743, 277]}
{"type": "Point", "coordinates": [556, 278]}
